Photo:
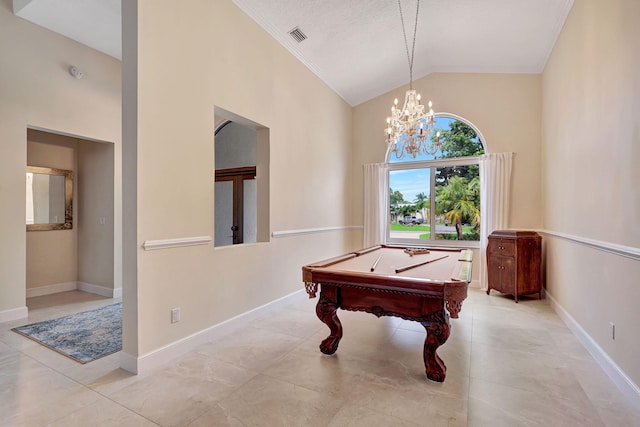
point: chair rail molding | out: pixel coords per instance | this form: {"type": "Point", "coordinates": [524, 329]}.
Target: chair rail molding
{"type": "Point", "coordinates": [150, 245]}
{"type": "Point", "coordinates": [614, 248]}
{"type": "Point", "coordinates": [300, 231]}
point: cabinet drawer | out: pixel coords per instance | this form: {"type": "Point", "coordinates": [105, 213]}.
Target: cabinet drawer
{"type": "Point", "coordinates": [501, 247]}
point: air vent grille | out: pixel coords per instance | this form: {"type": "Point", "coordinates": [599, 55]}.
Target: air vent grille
{"type": "Point", "coordinates": [297, 35]}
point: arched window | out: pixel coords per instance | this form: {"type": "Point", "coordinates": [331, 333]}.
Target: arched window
{"type": "Point", "coordinates": [436, 198]}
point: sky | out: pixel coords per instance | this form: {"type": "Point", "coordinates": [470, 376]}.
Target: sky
{"type": "Point", "coordinates": [410, 182]}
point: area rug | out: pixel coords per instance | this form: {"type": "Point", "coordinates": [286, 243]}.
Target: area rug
{"type": "Point", "coordinates": [83, 337]}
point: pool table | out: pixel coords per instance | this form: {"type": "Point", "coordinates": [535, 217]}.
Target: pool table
{"type": "Point", "coordinates": [426, 285]}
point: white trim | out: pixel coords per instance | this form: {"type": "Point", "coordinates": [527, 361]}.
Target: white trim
{"type": "Point", "coordinates": [117, 293]}
{"type": "Point", "coordinates": [625, 251]}
{"type": "Point", "coordinates": [617, 375]}
{"type": "Point", "coordinates": [97, 289]}
{"type": "Point", "coordinates": [151, 245]}
{"type": "Point", "coordinates": [146, 362]}
{"type": "Point", "coordinates": [14, 314]}
{"type": "Point", "coordinates": [51, 289]}
{"type": "Point", "coordinates": [289, 233]}
{"type": "Point", "coordinates": [128, 362]}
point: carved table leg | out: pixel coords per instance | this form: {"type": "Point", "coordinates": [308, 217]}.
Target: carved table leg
{"type": "Point", "coordinates": [437, 334]}
{"type": "Point", "coordinates": [326, 311]}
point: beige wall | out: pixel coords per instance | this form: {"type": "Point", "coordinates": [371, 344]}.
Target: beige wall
{"type": "Point", "coordinates": [95, 218]}
{"type": "Point", "coordinates": [52, 255]}
{"type": "Point", "coordinates": [188, 61]}
{"type": "Point", "coordinates": [36, 90]}
{"type": "Point", "coordinates": [591, 152]}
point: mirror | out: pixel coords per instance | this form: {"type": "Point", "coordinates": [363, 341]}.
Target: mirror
{"type": "Point", "coordinates": [49, 199]}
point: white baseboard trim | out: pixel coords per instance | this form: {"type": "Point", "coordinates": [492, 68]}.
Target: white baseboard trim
{"type": "Point", "coordinates": [14, 314]}
{"type": "Point", "coordinates": [51, 289]}
{"type": "Point", "coordinates": [128, 362]}
{"type": "Point", "coordinates": [146, 362]}
{"type": "Point", "coordinates": [621, 380]}
{"type": "Point", "coordinates": [72, 286]}
{"type": "Point", "coordinates": [98, 290]}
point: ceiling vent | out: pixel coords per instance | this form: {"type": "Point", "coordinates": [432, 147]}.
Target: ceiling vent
{"type": "Point", "coordinates": [297, 35]}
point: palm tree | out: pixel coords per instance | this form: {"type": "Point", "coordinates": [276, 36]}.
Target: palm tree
{"type": "Point", "coordinates": [458, 200]}
{"type": "Point", "coordinates": [422, 203]}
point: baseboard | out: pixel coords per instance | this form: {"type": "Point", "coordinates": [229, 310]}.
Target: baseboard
{"type": "Point", "coordinates": [13, 314]}
{"type": "Point", "coordinates": [617, 375]}
{"type": "Point", "coordinates": [98, 290]}
{"type": "Point", "coordinates": [146, 362]}
{"type": "Point", "coordinates": [51, 289]}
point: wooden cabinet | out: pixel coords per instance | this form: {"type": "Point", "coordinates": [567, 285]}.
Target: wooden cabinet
{"type": "Point", "coordinates": [514, 262]}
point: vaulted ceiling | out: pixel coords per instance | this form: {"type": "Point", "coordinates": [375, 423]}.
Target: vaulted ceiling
{"type": "Point", "coordinates": [357, 46]}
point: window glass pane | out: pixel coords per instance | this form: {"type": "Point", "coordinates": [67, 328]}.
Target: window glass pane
{"type": "Point", "coordinates": [458, 140]}
{"type": "Point", "coordinates": [457, 203]}
{"type": "Point", "coordinates": [409, 204]}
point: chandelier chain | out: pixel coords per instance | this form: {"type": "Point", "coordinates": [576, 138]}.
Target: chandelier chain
{"type": "Point", "coordinates": [406, 43]}
{"type": "Point", "coordinates": [409, 128]}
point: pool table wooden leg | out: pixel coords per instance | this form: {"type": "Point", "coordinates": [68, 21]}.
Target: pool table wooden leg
{"type": "Point", "coordinates": [326, 311]}
{"type": "Point", "coordinates": [437, 334]}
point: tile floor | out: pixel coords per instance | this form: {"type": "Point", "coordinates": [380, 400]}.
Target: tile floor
{"type": "Point", "coordinates": [508, 365]}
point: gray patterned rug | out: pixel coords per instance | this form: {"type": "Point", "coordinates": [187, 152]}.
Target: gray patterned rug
{"type": "Point", "coordinates": [83, 337]}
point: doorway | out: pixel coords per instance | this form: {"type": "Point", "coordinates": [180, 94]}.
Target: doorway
{"type": "Point", "coordinates": [235, 184]}
{"type": "Point", "coordinates": [82, 256]}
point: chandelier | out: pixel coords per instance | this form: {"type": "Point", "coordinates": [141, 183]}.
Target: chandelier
{"type": "Point", "coordinates": [409, 129]}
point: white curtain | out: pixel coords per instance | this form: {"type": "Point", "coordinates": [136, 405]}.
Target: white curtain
{"type": "Point", "coordinates": [495, 187]}
{"type": "Point", "coordinates": [376, 192]}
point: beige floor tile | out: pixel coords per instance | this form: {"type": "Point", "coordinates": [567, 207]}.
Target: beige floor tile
{"type": "Point", "coordinates": [251, 348]}
{"type": "Point", "coordinates": [103, 413]}
{"type": "Point", "coordinates": [357, 416]}
{"type": "Point", "coordinates": [507, 364]}
{"type": "Point", "coordinates": [535, 372]}
{"type": "Point", "coordinates": [170, 400]}
{"type": "Point", "coordinates": [492, 404]}
{"type": "Point", "coordinates": [265, 401]}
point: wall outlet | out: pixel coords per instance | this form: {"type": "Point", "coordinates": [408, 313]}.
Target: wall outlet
{"type": "Point", "coordinates": [103, 220]}
{"type": "Point", "coordinates": [612, 330]}
{"type": "Point", "coordinates": [175, 315]}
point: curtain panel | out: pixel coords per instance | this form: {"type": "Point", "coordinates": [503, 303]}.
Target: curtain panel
{"type": "Point", "coordinates": [495, 190]}
{"type": "Point", "coordinates": [376, 193]}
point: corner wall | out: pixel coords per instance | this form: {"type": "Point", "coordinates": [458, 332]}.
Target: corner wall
{"type": "Point", "coordinates": [36, 90]}
{"type": "Point", "coordinates": [591, 153]}
{"type": "Point", "coordinates": [184, 65]}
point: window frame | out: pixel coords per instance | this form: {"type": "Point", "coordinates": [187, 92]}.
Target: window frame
{"type": "Point", "coordinates": [432, 165]}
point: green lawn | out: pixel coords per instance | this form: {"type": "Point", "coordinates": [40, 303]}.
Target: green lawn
{"type": "Point", "coordinates": [400, 227]}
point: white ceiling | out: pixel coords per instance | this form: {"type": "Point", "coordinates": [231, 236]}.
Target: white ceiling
{"type": "Point", "coordinates": [356, 46]}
